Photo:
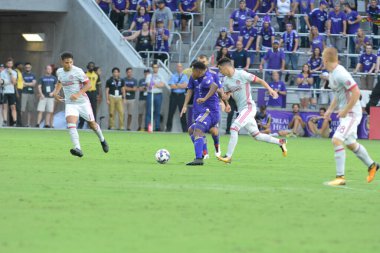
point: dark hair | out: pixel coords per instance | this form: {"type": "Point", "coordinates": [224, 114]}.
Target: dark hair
{"type": "Point", "coordinates": [323, 109]}
{"type": "Point", "coordinates": [192, 63]}
{"type": "Point", "coordinates": [138, 10]}
{"type": "Point", "coordinates": [263, 107]}
{"type": "Point", "coordinates": [296, 105]}
{"type": "Point", "coordinates": [66, 55]}
{"type": "Point", "coordinates": [308, 71]}
{"type": "Point", "coordinates": [127, 69]}
{"type": "Point", "coordinates": [27, 63]}
{"type": "Point", "coordinates": [224, 61]}
{"type": "Point", "coordinates": [199, 65]}
{"type": "Point", "coordinates": [220, 54]}
{"type": "Point", "coordinates": [96, 68]}
{"type": "Point", "coordinates": [115, 68]}
{"type": "Point", "coordinates": [9, 59]}
{"type": "Point", "coordinates": [313, 56]}
{"type": "Point", "coordinates": [91, 62]}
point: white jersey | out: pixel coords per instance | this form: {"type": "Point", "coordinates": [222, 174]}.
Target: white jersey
{"type": "Point", "coordinates": [341, 82]}
{"type": "Point", "coordinates": [239, 85]}
{"type": "Point", "coordinates": [72, 82]}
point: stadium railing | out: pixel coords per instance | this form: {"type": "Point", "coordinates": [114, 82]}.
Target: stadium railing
{"type": "Point", "coordinates": [150, 53]}
{"type": "Point", "coordinates": [207, 33]}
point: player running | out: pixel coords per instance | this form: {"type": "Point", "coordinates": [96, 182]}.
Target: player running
{"type": "Point", "coordinates": [237, 83]}
{"type": "Point", "coordinates": [75, 83]}
{"type": "Point", "coordinates": [205, 107]}
{"type": "Point", "coordinates": [346, 99]}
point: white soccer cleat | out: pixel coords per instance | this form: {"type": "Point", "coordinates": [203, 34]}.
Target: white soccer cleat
{"type": "Point", "coordinates": [206, 156]}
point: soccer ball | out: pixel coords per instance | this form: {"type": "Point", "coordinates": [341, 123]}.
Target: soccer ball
{"type": "Point", "coordinates": [162, 156]}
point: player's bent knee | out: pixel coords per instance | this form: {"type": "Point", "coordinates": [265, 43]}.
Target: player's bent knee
{"type": "Point", "coordinates": [336, 141]}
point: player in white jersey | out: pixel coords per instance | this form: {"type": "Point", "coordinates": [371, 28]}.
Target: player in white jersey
{"type": "Point", "coordinates": [346, 99]}
{"type": "Point", "coordinates": [237, 84]}
{"type": "Point", "coordinates": [75, 83]}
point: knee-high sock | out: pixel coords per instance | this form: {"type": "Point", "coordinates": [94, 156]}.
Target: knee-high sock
{"type": "Point", "coordinates": [216, 142]}
{"type": "Point", "coordinates": [266, 138]}
{"type": "Point", "coordinates": [340, 160]}
{"type": "Point", "coordinates": [99, 133]}
{"type": "Point", "coordinates": [192, 138]}
{"type": "Point", "coordinates": [363, 155]}
{"type": "Point", "coordinates": [74, 135]}
{"type": "Point", "coordinates": [198, 147]}
{"type": "Point", "coordinates": [205, 150]}
{"type": "Point", "coordinates": [233, 142]}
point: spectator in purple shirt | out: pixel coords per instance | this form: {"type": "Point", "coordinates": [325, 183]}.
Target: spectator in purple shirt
{"type": "Point", "coordinates": [119, 9]}
{"type": "Point", "coordinates": [265, 36]}
{"type": "Point", "coordinates": [373, 11]}
{"type": "Point", "coordinates": [275, 60]}
{"type": "Point", "coordinates": [224, 40]}
{"type": "Point", "coordinates": [318, 17]}
{"type": "Point", "coordinates": [140, 18]}
{"type": "Point", "coordinates": [104, 5]}
{"type": "Point", "coordinates": [305, 81]}
{"type": "Point", "coordinates": [280, 88]}
{"type": "Point", "coordinates": [248, 37]}
{"type": "Point", "coordinates": [353, 24]}
{"type": "Point", "coordinates": [161, 40]}
{"type": "Point", "coordinates": [289, 41]}
{"type": "Point", "coordinates": [367, 64]}
{"type": "Point", "coordinates": [315, 64]}
{"type": "Point", "coordinates": [253, 4]}
{"type": "Point", "coordinates": [303, 7]}
{"type": "Point", "coordinates": [132, 10]}
{"type": "Point", "coordinates": [186, 6]}
{"type": "Point", "coordinates": [361, 41]}
{"type": "Point", "coordinates": [266, 6]}
{"type": "Point", "coordinates": [238, 17]}
{"type": "Point", "coordinates": [316, 40]}
{"type": "Point", "coordinates": [145, 3]}
{"type": "Point", "coordinates": [336, 28]}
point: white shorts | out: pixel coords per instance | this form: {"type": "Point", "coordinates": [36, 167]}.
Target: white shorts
{"type": "Point", "coordinates": [347, 129]}
{"type": "Point", "coordinates": [247, 120]}
{"type": "Point", "coordinates": [84, 110]}
{"type": "Point", "coordinates": [46, 105]}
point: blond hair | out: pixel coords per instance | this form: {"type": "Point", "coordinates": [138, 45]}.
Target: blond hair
{"type": "Point", "coordinates": [330, 55]}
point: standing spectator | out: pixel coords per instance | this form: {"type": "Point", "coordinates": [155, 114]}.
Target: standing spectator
{"type": "Point", "coordinates": [115, 95]}
{"type": "Point", "coordinates": [119, 9]}
{"type": "Point", "coordinates": [162, 13]}
{"type": "Point", "coordinates": [46, 87]}
{"type": "Point", "coordinates": [253, 4]}
{"type": "Point", "coordinates": [19, 86]}
{"type": "Point", "coordinates": [143, 92]}
{"type": "Point", "coordinates": [223, 53]}
{"type": "Point", "coordinates": [284, 13]}
{"type": "Point", "coordinates": [248, 37]}
{"type": "Point", "coordinates": [132, 8]}
{"type": "Point", "coordinates": [315, 65]}
{"type": "Point", "coordinates": [318, 17]}
{"type": "Point", "coordinates": [186, 6]}
{"type": "Point", "coordinates": [238, 17]}
{"type": "Point", "coordinates": [178, 84]}
{"type": "Point", "coordinates": [353, 24]}
{"type": "Point", "coordinates": [266, 6]}
{"type": "Point", "coordinates": [154, 95]}
{"type": "Point", "coordinates": [139, 19]}
{"type": "Point", "coordinates": [373, 11]}
{"type": "Point", "coordinates": [304, 7]}
{"type": "Point", "coordinates": [319, 126]}
{"type": "Point", "coordinates": [336, 28]}
{"type": "Point", "coordinates": [171, 4]}
{"type": "Point", "coordinates": [263, 120]}
{"type": "Point", "coordinates": [9, 79]}
{"type": "Point", "coordinates": [296, 124]}
{"type": "Point", "coordinates": [290, 43]}
{"type": "Point", "coordinates": [316, 40]}
{"type": "Point", "coordinates": [104, 5]}
{"type": "Point", "coordinates": [266, 36]}
{"type": "Point", "coordinates": [367, 64]}
{"type": "Point", "coordinates": [361, 41]}
{"type": "Point", "coordinates": [27, 102]}
{"type": "Point", "coordinates": [130, 88]}
{"type": "Point", "coordinates": [275, 60]}
{"type": "Point", "coordinates": [144, 40]}
{"type": "Point", "coordinates": [305, 81]}
{"type": "Point", "coordinates": [144, 3]}
{"type": "Point", "coordinates": [280, 88]}
{"type": "Point", "coordinates": [240, 57]}
{"type": "Point", "coordinates": [161, 41]}
{"type": "Point", "coordinates": [94, 92]}
{"type": "Point", "coordinates": [224, 40]}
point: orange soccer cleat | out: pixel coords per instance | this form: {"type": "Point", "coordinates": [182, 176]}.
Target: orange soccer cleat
{"type": "Point", "coordinates": [339, 180]}
{"type": "Point", "coordinates": [224, 159]}
{"type": "Point", "coordinates": [372, 172]}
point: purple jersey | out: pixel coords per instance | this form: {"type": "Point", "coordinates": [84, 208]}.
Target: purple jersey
{"type": "Point", "coordinates": [373, 12]}
{"type": "Point", "coordinates": [277, 86]}
{"type": "Point", "coordinates": [352, 16]}
{"type": "Point", "coordinates": [172, 4]}
{"type": "Point", "coordinates": [144, 4]}
{"type": "Point", "coordinates": [140, 20]}
{"type": "Point", "coordinates": [314, 63]}
{"type": "Point", "coordinates": [226, 42]}
{"type": "Point", "coordinates": [274, 59]}
{"type": "Point", "coordinates": [265, 5]}
{"type": "Point", "coordinates": [337, 22]}
{"type": "Point", "coordinates": [318, 19]}
{"type": "Point", "coordinates": [120, 4]}
{"type": "Point", "coordinates": [367, 61]}
{"type": "Point", "coordinates": [215, 75]}
{"type": "Point", "coordinates": [161, 44]}
{"type": "Point", "coordinates": [290, 40]}
{"type": "Point", "coordinates": [251, 3]}
{"type": "Point", "coordinates": [104, 6]}
{"type": "Point", "coordinates": [187, 4]}
{"type": "Point", "coordinates": [304, 84]}
{"type": "Point", "coordinates": [266, 35]}
{"type": "Point", "coordinates": [239, 16]}
{"type": "Point", "coordinates": [133, 5]}
{"type": "Point", "coordinates": [304, 6]}
{"type": "Point", "coordinates": [317, 42]}
{"type": "Point", "coordinates": [247, 33]}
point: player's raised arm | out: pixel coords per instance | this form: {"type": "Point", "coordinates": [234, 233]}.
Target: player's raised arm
{"type": "Point", "coordinates": [213, 89]}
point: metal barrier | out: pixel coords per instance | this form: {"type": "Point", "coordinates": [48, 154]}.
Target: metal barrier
{"type": "Point", "coordinates": [205, 40]}
{"type": "Point", "coordinates": [149, 53]}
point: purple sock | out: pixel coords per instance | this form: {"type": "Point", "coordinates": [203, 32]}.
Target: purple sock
{"type": "Point", "coordinates": [192, 138]}
{"type": "Point", "coordinates": [198, 146]}
{"type": "Point", "coordinates": [216, 141]}
{"type": "Point", "coordinates": [205, 150]}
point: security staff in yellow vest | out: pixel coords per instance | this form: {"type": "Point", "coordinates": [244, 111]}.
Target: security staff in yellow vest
{"type": "Point", "coordinates": [94, 93]}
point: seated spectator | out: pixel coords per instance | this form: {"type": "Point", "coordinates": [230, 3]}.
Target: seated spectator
{"type": "Point", "coordinates": [240, 57]}
{"type": "Point", "coordinates": [263, 120]}
{"type": "Point", "coordinates": [114, 96]}
{"type": "Point", "coordinates": [248, 37]}
{"type": "Point", "coordinates": [253, 4]}
{"type": "Point", "coordinates": [161, 41]}
{"type": "Point", "coordinates": [319, 126]}
{"type": "Point", "coordinates": [186, 6]}
{"type": "Point", "coordinates": [265, 36]}
{"type": "Point", "coordinates": [284, 13]}
{"type": "Point", "coordinates": [139, 19]}
{"type": "Point", "coordinates": [373, 11]}
{"type": "Point", "coordinates": [316, 40]}
{"type": "Point", "coordinates": [143, 92]}
{"type": "Point", "coordinates": [162, 13]}
{"type": "Point", "coordinates": [119, 9]}
{"type": "Point", "coordinates": [224, 40]}
{"type": "Point", "coordinates": [304, 81]}
{"type": "Point", "coordinates": [223, 53]}
{"type": "Point", "coordinates": [143, 40]}
{"type": "Point", "coordinates": [266, 6]}
{"type": "Point", "coordinates": [274, 59]}
{"type": "Point", "coordinates": [104, 5]}
{"type": "Point", "coordinates": [290, 43]}
{"type": "Point", "coordinates": [238, 17]}
{"type": "Point", "coordinates": [315, 64]}
{"type": "Point", "coordinates": [361, 41]}
{"type": "Point", "coordinates": [46, 87]}
{"type": "Point", "coordinates": [144, 3]}
{"type": "Point", "coordinates": [296, 124]}
{"type": "Point", "coordinates": [367, 64]}
{"type": "Point", "coordinates": [280, 88]}
{"type": "Point", "coordinates": [336, 28]}
{"type": "Point", "coordinates": [318, 17]}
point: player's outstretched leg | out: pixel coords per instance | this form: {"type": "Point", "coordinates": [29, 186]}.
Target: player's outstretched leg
{"type": "Point", "coordinates": [98, 131]}
{"type": "Point", "coordinates": [270, 139]}
{"type": "Point", "coordinates": [76, 151]}
{"type": "Point", "coordinates": [231, 145]}
{"type": "Point", "coordinates": [198, 145]}
{"type": "Point", "coordinates": [361, 153]}
{"type": "Point", "coordinates": [340, 161]}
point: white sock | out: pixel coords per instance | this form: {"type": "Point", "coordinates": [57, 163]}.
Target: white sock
{"type": "Point", "coordinates": [340, 160]}
{"type": "Point", "coordinates": [363, 155]}
{"type": "Point", "coordinates": [232, 144]}
{"type": "Point", "coordinates": [74, 135]}
{"type": "Point", "coordinates": [266, 138]}
{"type": "Point", "coordinates": [99, 133]}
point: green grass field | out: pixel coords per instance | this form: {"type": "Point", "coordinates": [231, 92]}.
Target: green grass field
{"type": "Point", "coordinates": [124, 201]}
